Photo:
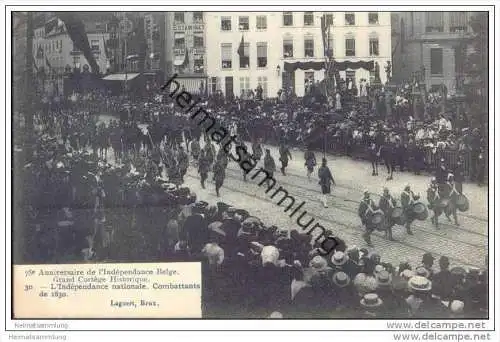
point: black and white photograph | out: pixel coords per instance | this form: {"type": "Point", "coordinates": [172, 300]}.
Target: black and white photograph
{"type": "Point", "coordinates": [317, 164]}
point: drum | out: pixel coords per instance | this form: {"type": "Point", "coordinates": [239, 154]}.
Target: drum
{"type": "Point", "coordinates": [420, 211]}
{"type": "Point", "coordinates": [376, 219]}
{"type": "Point", "coordinates": [398, 216]}
{"type": "Point", "coordinates": [462, 203]}
{"type": "Point", "coordinates": [443, 203]}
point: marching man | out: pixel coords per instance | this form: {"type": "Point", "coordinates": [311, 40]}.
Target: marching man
{"type": "Point", "coordinates": [453, 194]}
{"type": "Point", "coordinates": [366, 206]}
{"type": "Point", "coordinates": [284, 155]}
{"type": "Point", "coordinates": [310, 162]}
{"type": "Point", "coordinates": [269, 165]}
{"type": "Point", "coordinates": [433, 199]}
{"type": "Point", "coordinates": [325, 180]}
{"type": "Point", "coordinates": [408, 198]}
{"type": "Point", "coordinates": [387, 203]}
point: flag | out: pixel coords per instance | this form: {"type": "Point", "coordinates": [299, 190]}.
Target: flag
{"type": "Point", "coordinates": [106, 52]}
{"type": "Point", "coordinates": [48, 63]}
{"type": "Point", "coordinates": [241, 48]}
{"type": "Point", "coordinates": [39, 52]}
{"type": "Point", "coordinates": [186, 59]}
{"type": "Point", "coordinates": [34, 64]}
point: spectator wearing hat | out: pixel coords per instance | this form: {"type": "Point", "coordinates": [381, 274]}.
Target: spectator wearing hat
{"type": "Point", "coordinates": [443, 280]}
{"type": "Point", "coordinates": [344, 293]}
{"type": "Point", "coordinates": [371, 306]}
{"type": "Point", "coordinates": [269, 284]}
{"type": "Point", "coordinates": [420, 303]}
{"type": "Point", "coordinates": [317, 298]}
{"type": "Point", "coordinates": [394, 305]}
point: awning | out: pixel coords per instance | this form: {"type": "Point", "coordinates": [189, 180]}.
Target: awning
{"type": "Point", "coordinates": [120, 77]}
{"type": "Point", "coordinates": [179, 61]}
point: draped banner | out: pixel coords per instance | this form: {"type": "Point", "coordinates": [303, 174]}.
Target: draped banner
{"type": "Point", "coordinates": [340, 66]}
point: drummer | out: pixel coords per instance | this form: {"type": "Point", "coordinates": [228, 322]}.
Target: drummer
{"type": "Point", "coordinates": [452, 194]}
{"type": "Point", "coordinates": [366, 207]}
{"type": "Point", "coordinates": [434, 199]}
{"type": "Point", "coordinates": [387, 203]}
{"type": "Point", "coordinates": [408, 198]}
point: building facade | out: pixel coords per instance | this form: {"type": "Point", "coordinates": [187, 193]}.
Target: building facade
{"type": "Point", "coordinates": [185, 48]}
{"type": "Point", "coordinates": [431, 46]}
{"type": "Point", "coordinates": [54, 52]}
{"type": "Point", "coordinates": [246, 49]}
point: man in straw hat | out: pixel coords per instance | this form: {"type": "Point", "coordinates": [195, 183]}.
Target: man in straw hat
{"type": "Point", "coordinates": [421, 303]}
{"type": "Point", "coordinates": [433, 198]}
{"type": "Point", "coordinates": [371, 304]}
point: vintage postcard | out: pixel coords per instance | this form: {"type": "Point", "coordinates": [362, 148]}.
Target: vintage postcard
{"type": "Point", "coordinates": [252, 163]}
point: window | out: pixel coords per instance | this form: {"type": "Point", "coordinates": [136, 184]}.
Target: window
{"type": "Point", "coordinates": [373, 18]}
{"type": "Point", "coordinates": [308, 18]}
{"type": "Point", "coordinates": [436, 61]}
{"type": "Point", "coordinates": [179, 18]}
{"type": "Point", "coordinates": [308, 47]}
{"type": "Point", "coordinates": [434, 22]}
{"type": "Point", "coordinates": [458, 21]}
{"type": "Point", "coordinates": [213, 84]}
{"type": "Point", "coordinates": [244, 84]}
{"type": "Point", "coordinates": [287, 19]}
{"type": "Point", "coordinates": [372, 77]}
{"type": "Point", "coordinates": [261, 22]}
{"type": "Point", "coordinates": [350, 19]}
{"type": "Point", "coordinates": [94, 45]}
{"type": "Point", "coordinates": [244, 24]}
{"type": "Point", "coordinates": [227, 56]}
{"type": "Point", "coordinates": [287, 48]}
{"type": "Point", "coordinates": [374, 51]}
{"type": "Point", "coordinates": [179, 40]}
{"type": "Point", "coordinates": [198, 64]}
{"type": "Point", "coordinates": [261, 55]}
{"type": "Point", "coordinates": [329, 19]}
{"type": "Point", "coordinates": [198, 40]}
{"type": "Point", "coordinates": [262, 81]}
{"type": "Point", "coordinates": [245, 58]}
{"type": "Point", "coordinates": [225, 23]}
{"type": "Point", "coordinates": [350, 47]}
{"type": "Point", "coordinates": [198, 17]}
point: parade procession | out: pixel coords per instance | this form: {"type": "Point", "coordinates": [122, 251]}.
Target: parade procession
{"type": "Point", "coordinates": [110, 167]}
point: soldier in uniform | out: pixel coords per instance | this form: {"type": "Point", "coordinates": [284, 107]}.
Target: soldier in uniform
{"type": "Point", "coordinates": [452, 193]}
{"type": "Point", "coordinates": [222, 157]}
{"type": "Point", "coordinates": [366, 206]}
{"type": "Point", "coordinates": [195, 149]}
{"type": "Point", "coordinates": [219, 174]}
{"type": "Point", "coordinates": [257, 150]}
{"type": "Point", "coordinates": [459, 173]}
{"type": "Point", "coordinates": [209, 152]}
{"type": "Point", "coordinates": [387, 203]}
{"type": "Point", "coordinates": [284, 155]}
{"type": "Point", "coordinates": [441, 176]}
{"type": "Point", "coordinates": [183, 162]}
{"type": "Point", "coordinates": [310, 162]}
{"type": "Point", "coordinates": [269, 164]}
{"type": "Point", "coordinates": [203, 167]}
{"type": "Point", "coordinates": [433, 198]}
{"type": "Point", "coordinates": [408, 198]}
{"type": "Point", "coordinates": [325, 179]}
